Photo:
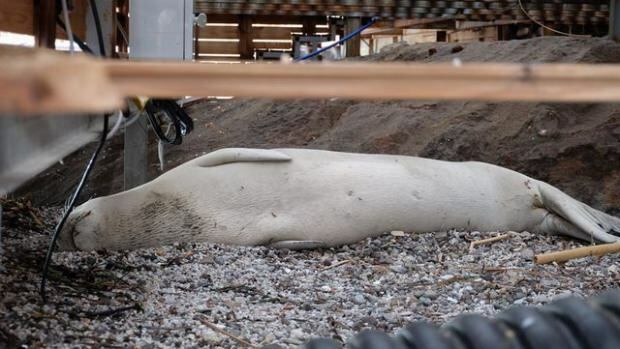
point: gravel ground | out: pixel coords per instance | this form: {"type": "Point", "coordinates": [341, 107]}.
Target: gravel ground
{"type": "Point", "coordinates": [174, 296]}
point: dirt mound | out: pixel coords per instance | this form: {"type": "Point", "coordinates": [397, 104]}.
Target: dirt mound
{"type": "Point", "coordinates": [573, 146]}
{"type": "Point", "coordinates": [537, 50]}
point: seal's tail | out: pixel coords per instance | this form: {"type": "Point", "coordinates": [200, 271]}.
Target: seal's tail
{"type": "Point", "coordinates": [587, 222]}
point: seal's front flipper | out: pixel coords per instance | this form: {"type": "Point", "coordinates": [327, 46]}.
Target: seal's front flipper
{"type": "Point", "coordinates": [594, 224]}
{"type": "Point", "coordinates": [297, 244]}
{"type": "Point", "coordinates": [230, 155]}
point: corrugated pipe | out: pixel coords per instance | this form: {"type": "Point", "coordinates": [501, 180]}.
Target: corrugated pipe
{"type": "Point", "coordinates": [566, 323]}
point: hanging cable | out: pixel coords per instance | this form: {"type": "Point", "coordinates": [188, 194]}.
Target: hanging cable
{"type": "Point", "coordinates": [167, 111]}
{"type": "Point", "coordinates": [81, 44]}
{"type": "Point", "coordinates": [65, 13]}
{"type": "Point", "coordinates": [72, 199]}
{"type": "Point", "coordinates": [546, 27]}
{"type": "Point", "coordinates": [104, 135]}
{"type": "Point", "coordinates": [93, 7]}
{"type": "Point", "coordinates": [339, 42]}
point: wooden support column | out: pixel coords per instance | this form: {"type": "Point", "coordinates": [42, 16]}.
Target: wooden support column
{"type": "Point", "coordinates": [333, 29]}
{"type": "Point", "coordinates": [353, 45]}
{"type": "Point", "coordinates": [246, 46]}
{"type": "Point", "coordinates": [309, 25]}
{"type": "Point", "coordinates": [614, 20]}
{"type": "Point", "coordinates": [442, 36]}
{"type": "Point", "coordinates": [196, 42]}
{"type": "Point", "coordinates": [45, 23]}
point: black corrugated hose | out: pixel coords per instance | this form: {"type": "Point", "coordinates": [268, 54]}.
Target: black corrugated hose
{"type": "Point", "coordinates": [566, 323]}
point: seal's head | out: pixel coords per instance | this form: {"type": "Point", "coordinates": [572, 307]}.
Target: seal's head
{"type": "Point", "coordinates": [82, 229]}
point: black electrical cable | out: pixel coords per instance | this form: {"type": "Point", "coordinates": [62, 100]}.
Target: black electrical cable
{"type": "Point", "coordinates": [93, 7]}
{"type": "Point", "coordinates": [73, 199]}
{"type": "Point", "coordinates": [156, 109]}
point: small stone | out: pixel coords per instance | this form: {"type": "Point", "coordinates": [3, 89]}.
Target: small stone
{"type": "Point", "coordinates": [398, 269]}
{"type": "Point", "coordinates": [528, 254]}
{"type": "Point", "coordinates": [359, 299]}
{"type": "Point", "coordinates": [298, 333]}
{"type": "Point", "coordinates": [425, 301]}
{"type": "Point", "coordinates": [397, 233]}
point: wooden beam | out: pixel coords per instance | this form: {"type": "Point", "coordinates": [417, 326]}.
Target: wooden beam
{"type": "Point", "coordinates": [278, 33]}
{"type": "Point", "coordinates": [273, 45]}
{"type": "Point", "coordinates": [219, 32]}
{"type": "Point", "coordinates": [218, 47]}
{"type": "Point", "coordinates": [33, 81]}
{"type": "Point", "coordinates": [265, 19]}
{"type": "Point", "coordinates": [353, 45]}
{"type": "Point", "coordinates": [196, 42]}
{"type": "Point", "coordinates": [43, 81]}
{"type": "Point", "coordinates": [481, 82]}
{"type": "Point", "coordinates": [309, 25]}
{"type": "Point", "coordinates": [381, 31]}
{"type": "Point", "coordinates": [44, 12]}
{"type": "Point", "coordinates": [246, 45]}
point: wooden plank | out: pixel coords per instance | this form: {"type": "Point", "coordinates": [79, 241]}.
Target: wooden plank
{"type": "Point", "coordinates": [381, 31]}
{"type": "Point", "coordinates": [33, 81]}
{"type": "Point", "coordinates": [16, 16]}
{"type": "Point", "coordinates": [273, 45]}
{"type": "Point", "coordinates": [218, 47]}
{"type": "Point", "coordinates": [278, 33]}
{"type": "Point", "coordinates": [480, 82]}
{"type": "Point", "coordinates": [222, 18]}
{"type": "Point", "coordinates": [266, 19]}
{"type": "Point", "coordinates": [40, 82]}
{"type": "Point", "coordinates": [228, 32]}
{"type": "Point", "coordinates": [219, 32]}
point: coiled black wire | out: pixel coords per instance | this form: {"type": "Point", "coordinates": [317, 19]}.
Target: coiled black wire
{"type": "Point", "coordinates": [566, 323]}
{"type": "Point", "coordinates": [160, 111]}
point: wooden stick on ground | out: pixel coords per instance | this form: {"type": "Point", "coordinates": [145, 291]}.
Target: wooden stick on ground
{"type": "Point", "coordinates": [336, 264]}
{"type": "Point", "coordinates": [566, 255]}
{"type": "Point", "coordinates": [475, 243]}
{"type": "Point", "coordinates": [227, 334]}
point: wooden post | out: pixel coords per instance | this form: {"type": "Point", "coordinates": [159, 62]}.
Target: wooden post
{"type": "Point", "coordinates": [45, 23]}
{"type": "Point", "coordinates": [333, 29]}
{"type": "Point", "coordinates": [196, 43]}
{"type": "Point", "coordinates": [246, 45]}
{"type": "Point", "coordinates": [309, 25]}
{"type": "Point", "coordinates": [136, 153]}
{"type": "Point", "coordinates": [353, 45]}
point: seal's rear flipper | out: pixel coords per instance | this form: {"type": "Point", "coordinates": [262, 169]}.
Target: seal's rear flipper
{"type": "Point", "coordinates": [230, 155]}
{"type": "Point", "coordinates": [592, 223]}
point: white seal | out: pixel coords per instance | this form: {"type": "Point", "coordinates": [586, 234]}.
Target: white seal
{"type": "Point", "coordinates": [297, 198]}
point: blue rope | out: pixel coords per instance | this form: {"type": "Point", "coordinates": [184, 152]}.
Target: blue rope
{"type": "Point", "coordinates": [339, 42]}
